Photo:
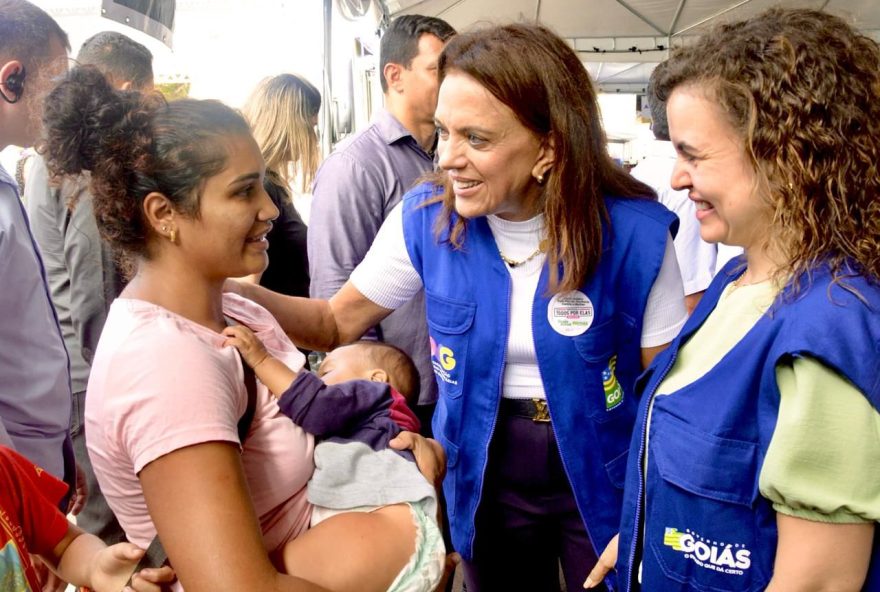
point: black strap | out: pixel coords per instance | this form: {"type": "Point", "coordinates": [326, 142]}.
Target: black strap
{"type": "Point", "coordinates": [247, 418]}
{"type": "Point", "coordinates": [156, 555]}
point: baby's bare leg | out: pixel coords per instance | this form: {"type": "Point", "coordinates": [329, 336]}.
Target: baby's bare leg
{"type": "Point", "coordinates": [354, 551]}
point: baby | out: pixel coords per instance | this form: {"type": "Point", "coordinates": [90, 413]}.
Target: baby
{"type": "Point", "coordinates": [355, 409]}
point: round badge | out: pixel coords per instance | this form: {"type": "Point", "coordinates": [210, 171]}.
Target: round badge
{"type": "Point", "coordinates": [571, 313]}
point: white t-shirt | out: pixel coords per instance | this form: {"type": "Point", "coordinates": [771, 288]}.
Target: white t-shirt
{"type": "Point", "coordinates": [696, 257]}
{"type": "Point", "coordinates": [387, 277]}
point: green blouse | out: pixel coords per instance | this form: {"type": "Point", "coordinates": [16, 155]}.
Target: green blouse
{"type": "Point", "coordinates": [823, 462]}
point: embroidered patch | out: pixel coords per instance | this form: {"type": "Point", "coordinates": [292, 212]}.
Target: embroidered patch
{"type": "Point", "coordinates": [612, 388]}
{"type": "Point", "coordinates": [726, 558]}
{"type": "Point", "coordinates": [443, 361]}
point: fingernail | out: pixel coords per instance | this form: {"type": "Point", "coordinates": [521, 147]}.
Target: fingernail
{"type": "Point", "coordinates": [589, 583]}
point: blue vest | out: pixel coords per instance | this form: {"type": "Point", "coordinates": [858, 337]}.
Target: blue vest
{"type": "Point", "coordinates": [467, 294]}
{"type": "Point", "coordinates": [697, 520]}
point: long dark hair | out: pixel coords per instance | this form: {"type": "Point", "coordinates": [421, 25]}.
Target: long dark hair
{"type": "Point", "coordinates": [133, 145]}
{"type": "Point", "coordinates": [540, 78]}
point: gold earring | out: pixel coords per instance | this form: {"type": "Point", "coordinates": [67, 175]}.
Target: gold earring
{"type": "Point", "coordinates": [173, 236]}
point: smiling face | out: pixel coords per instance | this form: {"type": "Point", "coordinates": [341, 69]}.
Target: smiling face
{"type": "Point", "coordinates": [713, 166]}
{"type": "Point", "coordinates": [491, 158]}
{"type": "Point", "coordinates": [228, 237]}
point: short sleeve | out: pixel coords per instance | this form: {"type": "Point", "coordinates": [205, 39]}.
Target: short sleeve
{"type": "Point", "coordinates": [30, 494]}
{"type": "Point", "coordinates": [665, 312]}
{"type": "Point", "coordinates": [387, 275]}
{"type": "Point", "coordinates": [181, 392]}
{"type": "Point", "coordinates": [822, 462]}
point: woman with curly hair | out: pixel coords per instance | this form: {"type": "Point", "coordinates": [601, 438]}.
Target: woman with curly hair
{"type": "Point", "coordinates": [755, 460]}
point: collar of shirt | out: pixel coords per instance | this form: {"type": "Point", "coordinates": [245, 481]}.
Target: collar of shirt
{"type": "Point", "coordinates": [7, 179]}
{"type": "Point", "coordinates": [392, 131]}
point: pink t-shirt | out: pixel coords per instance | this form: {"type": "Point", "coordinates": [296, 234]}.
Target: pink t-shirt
{"type": "Point", "coordinates": [161, 382]}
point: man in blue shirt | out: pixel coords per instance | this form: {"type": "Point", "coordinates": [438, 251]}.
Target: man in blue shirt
{"type": "Point", "coordinates": [368, 174]}
{"type": "Point", "coordinates": [35, 395]}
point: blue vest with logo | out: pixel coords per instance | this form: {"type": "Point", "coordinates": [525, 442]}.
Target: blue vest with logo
{"type": "Point", "coordinates": [695, 520]}
{"type": "Point", "coordinates": [588, 378]}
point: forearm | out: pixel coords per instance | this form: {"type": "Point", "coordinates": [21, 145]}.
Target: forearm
{"type": "Point", "coordinates": [308, 322]}
{"type": "Point", "coordinates": [275, 375]}
{"type": "Point", "coordinates": [74, 558]}
{"type": "Point", "coordinates": [211, 534]}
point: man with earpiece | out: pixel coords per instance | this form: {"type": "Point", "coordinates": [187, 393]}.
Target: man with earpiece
{"type": "Point", "coordinates": [35, 398]}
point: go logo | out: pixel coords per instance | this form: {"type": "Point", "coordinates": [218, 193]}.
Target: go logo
{"type": "Point", "coordinates": [446, 357]}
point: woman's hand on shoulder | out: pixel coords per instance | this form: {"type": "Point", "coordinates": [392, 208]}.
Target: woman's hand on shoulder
{"type": "Point", "coordinates": [430, 456]}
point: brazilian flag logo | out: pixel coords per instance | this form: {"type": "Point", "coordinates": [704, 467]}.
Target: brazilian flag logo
{"type": "Point", "coordinates": [672, 538]}
{"type": "Point", "coordinates": [612, 388]}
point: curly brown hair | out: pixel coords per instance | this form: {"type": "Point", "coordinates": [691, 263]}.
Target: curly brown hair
{"type": "Point", "coordinates": [802, 88]}
{"type": "Point", "coordinates": [540, 78]}
{"type": "Point", "coordinates": [134, 144]}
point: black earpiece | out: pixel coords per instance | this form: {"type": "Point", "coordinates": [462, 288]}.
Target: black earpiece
{"type": "Point", "coordinates": [14, 86]}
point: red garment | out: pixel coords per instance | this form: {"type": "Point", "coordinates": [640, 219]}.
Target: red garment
{"type": "Point", "coordinates": [29, 518]}
{"type": "Point", "coordinates": [401, 414]}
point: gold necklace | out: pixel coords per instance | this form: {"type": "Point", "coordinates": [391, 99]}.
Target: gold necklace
{"type": "Point", "coordinates": [514, 263]}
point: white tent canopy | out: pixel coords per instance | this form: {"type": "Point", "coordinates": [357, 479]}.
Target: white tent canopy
{"type": "Point", "coordinates": [620, 41]}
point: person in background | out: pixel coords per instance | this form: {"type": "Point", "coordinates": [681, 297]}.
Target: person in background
{"type": "Point", "coordinates": [35, 397]}
{"type": "Point", "coordinates": [283, 113]}
{"type": "Point", "coordinates": [30, 522]}
{"type": "Point", "coordinates": [696, 257]}
{"type": "Point", "coordinates": [366, 176]}
{"type": "Point", "coordinates": [84, 274]}
{"type": "Point", "coordinates": [550, 282]}
{"type": "Point", "coordinates": [756, 464]}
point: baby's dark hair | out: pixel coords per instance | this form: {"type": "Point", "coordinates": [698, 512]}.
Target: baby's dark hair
{"type": "Point", "coordinates": [403, 376]}
{"type": "Point", "coordinates": [134, 144]}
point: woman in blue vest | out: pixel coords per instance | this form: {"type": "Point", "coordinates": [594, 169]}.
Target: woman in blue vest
{"type": "Point", "coordinates": [755, 463]}
{"type": "Point", "coordinates": [550, 280]}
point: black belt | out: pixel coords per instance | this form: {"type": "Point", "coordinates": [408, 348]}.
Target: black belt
{"type": "Point", "coordinates": [534, 409]}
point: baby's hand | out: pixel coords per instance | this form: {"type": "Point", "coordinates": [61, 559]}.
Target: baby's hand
{"type": "Point", "coordinates": [250, 347]}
